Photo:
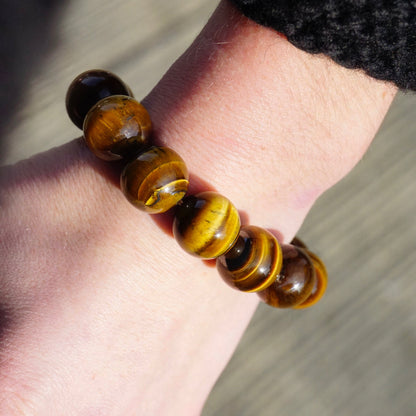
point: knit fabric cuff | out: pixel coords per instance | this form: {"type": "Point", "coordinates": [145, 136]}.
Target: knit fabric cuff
{"type": "Point", "coordinates": [377, 36]}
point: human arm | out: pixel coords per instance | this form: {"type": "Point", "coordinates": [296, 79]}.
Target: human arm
{"type": "Point", "coordinates": [84, 282]}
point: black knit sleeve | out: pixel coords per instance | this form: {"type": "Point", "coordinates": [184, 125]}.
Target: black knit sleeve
{"type": "Point", "coordinates": [377, 36]}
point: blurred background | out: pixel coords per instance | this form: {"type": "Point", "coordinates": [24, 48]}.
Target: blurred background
{"type": "Point", "coordinates": [352, 354]}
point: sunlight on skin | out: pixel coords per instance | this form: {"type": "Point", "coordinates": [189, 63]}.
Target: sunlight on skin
{"type": "Point", "coordinates": [106, 314]}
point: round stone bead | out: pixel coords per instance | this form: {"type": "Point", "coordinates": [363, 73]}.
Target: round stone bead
{"type": "Point", "coordinates": [117, 127]}
{"type": "Point", "coordinates": [320, 283]}
{"type": "Point", "coordinates": [156, 180]}
{"type": "Point", "coordinates": [206, 225]}
{"type": "Point", "coordinates": [90, 87]}
{"type": "Point", "coordinates": [295, 281]}
{"type": "Point", "coordinates": [253, 263]}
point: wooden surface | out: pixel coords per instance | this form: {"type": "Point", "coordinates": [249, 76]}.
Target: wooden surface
{"type": "Point", "coordinates": [355, 353]}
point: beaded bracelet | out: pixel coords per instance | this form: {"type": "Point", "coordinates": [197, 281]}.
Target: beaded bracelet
{"type": "Point", "coordinates": [155, 179]}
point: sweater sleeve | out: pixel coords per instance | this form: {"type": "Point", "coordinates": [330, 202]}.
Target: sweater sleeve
{"type": "Point", "coordinates": [377, 36]}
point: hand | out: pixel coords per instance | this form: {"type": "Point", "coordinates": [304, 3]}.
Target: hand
{"type": "Point", "coordinates": [102, 313]}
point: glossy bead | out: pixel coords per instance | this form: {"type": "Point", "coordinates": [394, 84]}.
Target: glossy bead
{"type": "Point", "coordinates": [206, 224]}
{"type": "Point", "coordinates": [117, 127]}
{"type": "Point", "coordinates": [156, 180]}
{"type": "Point", "coordinates": [254, 261]}
{"type": "Point", "coordinates": [295, 281]}
{"type": "Point", "coordinates": [320, 283]}
{"type": "Point", "coordinates": [90, 87]}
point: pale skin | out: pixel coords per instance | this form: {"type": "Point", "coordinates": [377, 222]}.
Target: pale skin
{"type": "Point", "coordinates": [102, 312]}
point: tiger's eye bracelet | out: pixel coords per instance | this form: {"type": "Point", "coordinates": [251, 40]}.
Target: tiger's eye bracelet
{"type": "Point", "coordinates": [155, 179]}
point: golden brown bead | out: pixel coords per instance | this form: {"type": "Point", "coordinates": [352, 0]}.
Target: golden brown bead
{"type": "Point", "coordinates": [90, 87]}
{"type": "Point", "coordinates": [295, 281]}
{"type": "Point", "coordinates": [156, 180]}
{"type": "Point", "coordinates": [320, 284]}
{"type": "Point", "coordinates": [254, 261]}
{"type": "Point", "coordinates": [117, 127]}
{"type": "Point", "coordinates": [206, 224]}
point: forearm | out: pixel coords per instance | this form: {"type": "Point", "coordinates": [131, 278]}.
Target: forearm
{"type": "Point", "coordinates": [258, 99]}
{"type": "Point", "coordinates": [374, 36]}
{"type": "Point", "coordinates": [263, 123]}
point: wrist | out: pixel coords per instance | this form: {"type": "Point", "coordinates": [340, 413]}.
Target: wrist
{"type": "Point", "coordinates": [262, 105]}
{"type": "Point", "coordinates": [270, 142]}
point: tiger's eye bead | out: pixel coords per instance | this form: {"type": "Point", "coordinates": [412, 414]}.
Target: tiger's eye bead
{"type": "Point", "coordinates": [254, 261]}
{"type": "Point", "coordinates": [295, 281]}
{"type": "Point", "coordinates": [206, 224]}
{"type": "Point", "coordinates": [117, 127]}
{"type": "Point", "coordinates": [156, 180]}
{"type": "Point", "coordinates": [90, 87]}
{"type": "Point", "coordinates": [320, 284]}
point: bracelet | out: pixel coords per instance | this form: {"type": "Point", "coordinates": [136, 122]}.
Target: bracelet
{"type": "Point", "coordinates": [155, 179]}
